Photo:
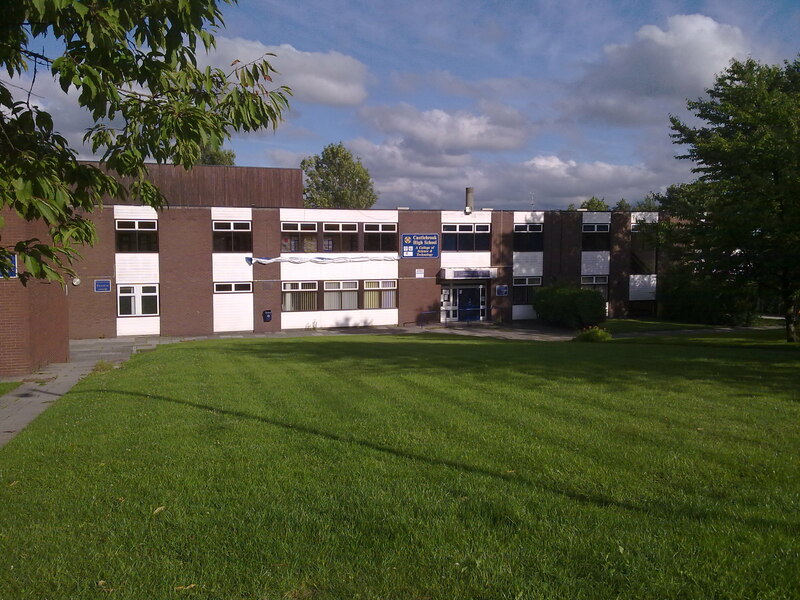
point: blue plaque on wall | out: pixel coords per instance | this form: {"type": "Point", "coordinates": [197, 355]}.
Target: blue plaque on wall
{"type": "Point", "coordinates": [102, 285]}
{"type": "Point", "coordinates": [420, 245]}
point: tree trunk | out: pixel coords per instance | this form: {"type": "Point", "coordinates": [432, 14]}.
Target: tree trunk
{"type": "Point", "coordinates": [791, 319]}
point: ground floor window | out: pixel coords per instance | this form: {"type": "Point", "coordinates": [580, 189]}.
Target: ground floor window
{"type": "Point", "coordinates": [524, 288]}
{"type": "Point", "coordinates": [340, 295]}
{"type": "Point", "coordinates": [380, 294]}
{"type": "Point", "coordinates": [599, 283]}
{"type": "Point", "coordinates": [298, 296]}
{"type": "Point", "coordinates": [137, 300]}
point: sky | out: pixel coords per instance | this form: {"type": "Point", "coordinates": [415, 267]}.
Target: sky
{"type": "Point", "coordinates": [535, 104]}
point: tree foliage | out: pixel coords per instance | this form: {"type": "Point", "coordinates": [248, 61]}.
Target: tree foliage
{"type": "Point", "coordinates": [216, 155]}
{"type": "Point", "coordinates": [595, 204]}
{"type": "Point", "coordinates": [337, 179]}
{"type": "Point", "coordinates": [132, 65]}
{"type": "Point", "coordinates": [623, 206]}
{"type": "Point", "coordinates": [740, 222]}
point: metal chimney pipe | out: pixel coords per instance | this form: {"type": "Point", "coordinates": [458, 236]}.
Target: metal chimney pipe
{"type": "Point", "coordinates": [470, 205]}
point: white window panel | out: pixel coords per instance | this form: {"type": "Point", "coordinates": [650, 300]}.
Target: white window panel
{"type": "Point", "coordinates": [380, 269]}
{"type": "Point", "coordinates": [231, 213]}
{"type": "Point", "coordinates": [596, 217]}
{"type": "Point", "coordinates": [595, 263]}
{"type": "Point", "coordinates": [458, 216]}
{"type": "Point", "coordinates": [135, 212]}
{"type": "Point", "coordinates": [642, 287]}
{"type": "Point", "coordinates": [335, 214]}
{"type": "Point", "coordinates": [528, 263]}
{"type": "Point", "coordinates": [139, 326]}
{"type": "Point", "coordinates": [338, 318]}
{"type": "Point", "coordinates": [466, 259]}
{"type": "Point", "coordinates": [231, 266]}
{"type": "Point", "coordinates": [233, 312]}
{"type": "Point", "coordinates": [644, 217]}
{"type": "Point", "coordinates": [536, 216]}
{"type": "Point", "coordinates": [136, 267]}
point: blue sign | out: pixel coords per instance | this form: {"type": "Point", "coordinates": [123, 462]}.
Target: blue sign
{"type": "Point", "coordinates": [102, 285]}
{"type": "Point", "coordinates": [501, 290]}
{"type": "Point", "coordinates": [420, 245]}
{"type": "Point", "coordinates": [12, 269]}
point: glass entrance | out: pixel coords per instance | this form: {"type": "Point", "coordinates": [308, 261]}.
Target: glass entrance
{"type": "Point", "coordinates": [463, 303]}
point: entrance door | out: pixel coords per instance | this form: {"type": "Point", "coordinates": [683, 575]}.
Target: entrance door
{"type": "Point", "coordinates": [469, 304]}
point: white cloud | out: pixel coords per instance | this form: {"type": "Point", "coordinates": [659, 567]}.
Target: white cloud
{"type": "Point", "coordinates": [328, 78]}
{"type": "Point", "coordinates": [497, 128]}
{"type": "Point", "coordinates": [641, 81]}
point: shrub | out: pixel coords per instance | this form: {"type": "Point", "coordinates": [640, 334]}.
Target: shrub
{"type": "Point", "coordinates": [571, 307]}
{"type": "Point", "coordinates": [593, 334]}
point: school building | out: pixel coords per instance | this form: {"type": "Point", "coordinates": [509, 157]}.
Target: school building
{"type": "Point", "coordinates": [235, 251]}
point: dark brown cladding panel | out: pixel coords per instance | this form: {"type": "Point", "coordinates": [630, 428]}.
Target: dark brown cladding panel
{"type": "Point", "coordinates": [93, 314]}
{"type": "Point", "coordinates": [562, 247]}
{"type": "Point", "coordinates": [266, 278]}
{"type": "Point", "coordinates": [211, 185]}
{"type": "Point", "coordinates": [503, 258]}
{"type": "Point", "coordinates": [418, 298]}
{"type": "Point", "coordinates": [619, 271]}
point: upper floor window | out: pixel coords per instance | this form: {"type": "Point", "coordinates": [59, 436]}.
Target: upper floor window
{"type": "Point", "coordinates": [340, 237]}
{"type": "Point", "coordinates": [528, 237]}
{"type": "Point", "coordinates": [380, 237]}
{"type": "Point", "coordinates": [137, 236]}
{"type": "Point", "coordinates": [466, 237]}
{"type": "Point", "coordinates": [299, 237]}
{"type": "Point", "coordinates": [233, 288]}
{"type": "Point", "coordinates": [233, 236]}
{"type": "Point", "coordinates": [596, 237]}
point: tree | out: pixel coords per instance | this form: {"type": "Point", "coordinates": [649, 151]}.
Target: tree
{"type": "Point", "coordinates": [215, 155]}
{"type": "Point", "coordinates": [595, 204]}
{"type": "Point", "coordinates": [623, 206]}
{"type": "Point", "coordinates": [650, 203]}
{"type": "Point", "coordinates": [132, 65]}
{"type": "Point", "coordinates": [741, 221]}
{"type": "Point", "coordinates": [336, 179]}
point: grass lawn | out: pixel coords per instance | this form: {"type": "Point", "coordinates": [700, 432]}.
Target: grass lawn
{"type": "Point", "coordinates": [764, 339]}
{"type": "Point", "coordinates": [8, 386]}
{"type": "Point", "coordinates": [412, 467]}
{"type": "Point", "coordinates": [640, 325]}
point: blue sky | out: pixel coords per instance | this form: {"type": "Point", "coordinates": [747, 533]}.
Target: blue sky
{"type": "Point", "coordinates": [546, 101]}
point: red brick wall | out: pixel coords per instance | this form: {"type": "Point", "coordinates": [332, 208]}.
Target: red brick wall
{"type": "Point", "coordinates": [417, 296]}
{"type": "Point", "coordinates": [266, 278]}
{"type": "Point", "coordinates": [34, 328]}
{"type": "Point", "coordinates": [185, 271]}
{"type": "Point", "coordinates": [503, 259]}
{"type": "Point", "coordinates": [93, 314]}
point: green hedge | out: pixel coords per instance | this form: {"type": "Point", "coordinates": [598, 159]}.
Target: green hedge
{"type": "Point", "coordinates": [571, 307]}
{"type": "Point", "coordinates": [690, 298]}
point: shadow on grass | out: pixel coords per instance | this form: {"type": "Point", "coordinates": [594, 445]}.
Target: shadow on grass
{"type": "Point", "coordinates": [624, 367]}
{"type": "Point", "coordinates": [654, 509]}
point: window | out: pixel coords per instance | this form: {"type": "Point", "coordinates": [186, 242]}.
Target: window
{"type": "Point", "coordinates": [137, 236]}
{"type": "Point", "coordinates": [233, 236]}
{"type": "Point", "coordinates": [466, 237]}
{"type": "Point", "coordinates": [528, 238]}
{"type": "Point", "coordinates": [298, 237]}
{"type": "Point", "coordinates": [596, 237]}
{"type": "Point", "coordinates": [643, 254]}
{"type": "Point", "coordinates": [380, 237]}
{"type": "Point", "coordinates": [340, 237]}
{"type": "Point", "coordinates": [137, 300]}
{"type": "Point", "coordinates": [380, 294]}
{"type": "Point", "coordinates": [299, 296]}
{"type": "Point", "coordinates": [233, 288]}
{"type": "Point", "coordinates": [340, 295]}
{"type": "Point", "coordinates": [598, 283]}
{"type": "Point", "coordinates": [523, 289]}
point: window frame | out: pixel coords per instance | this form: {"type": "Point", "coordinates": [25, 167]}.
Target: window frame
{"type": "Point", "coordinates": [528, 237]}
{"type": "Point", "coordinates": [529, 283]}
{"type": "Point", "coordinates": [234, 227]}
{"type": "Point", "coordinates": [219, 287]}
{"type": "Point", "coordinates": [383, 285]}
{"type": "Point", "coordinates": [139, 232]}
{"type": "Point", "coordinates": [386, 235]}
{"type": "Point", "coordinates": [336, 288]}
{"type": "Point", "coordinates": [137, 294]}
{"type": "Point", "coordinates": [308, 287]}
{"type": "Point", "coordinates": [299, 230]}
{"type": "Point", "coordinates": [466, 237]}
{"type": "Point", "coordinates": [340, 232]}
